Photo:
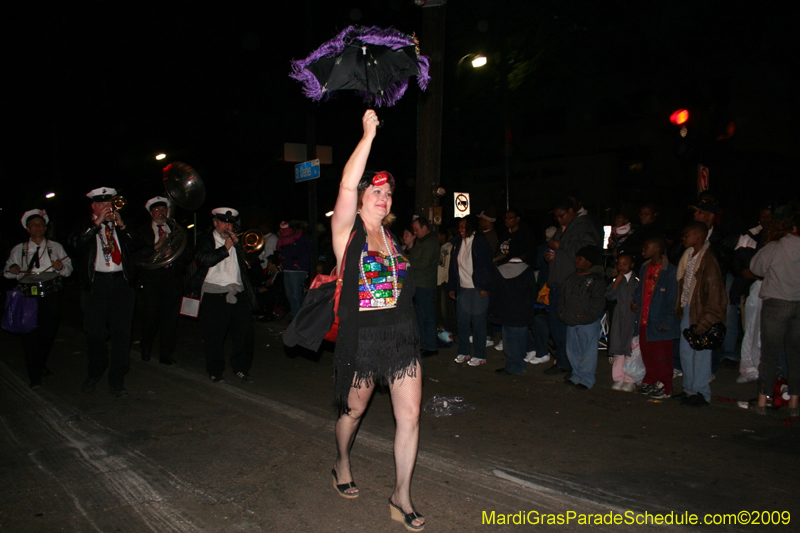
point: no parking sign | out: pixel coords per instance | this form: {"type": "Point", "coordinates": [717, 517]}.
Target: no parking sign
{"type": "Point", "coordinates": [461, 204]}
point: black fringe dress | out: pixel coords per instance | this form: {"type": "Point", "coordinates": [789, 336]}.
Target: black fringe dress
{"type": "Point", "coordinates": [378, 346]}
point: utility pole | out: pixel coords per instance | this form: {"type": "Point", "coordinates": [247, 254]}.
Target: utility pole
{"type": "Point", "coordinates": [429, 135]}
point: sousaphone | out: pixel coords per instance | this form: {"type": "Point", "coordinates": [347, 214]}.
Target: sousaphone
{"type": "Point", "coordinates": [185, 187]}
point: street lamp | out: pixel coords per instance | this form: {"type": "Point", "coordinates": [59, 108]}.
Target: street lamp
{"type": "Point", "coordinates": [159, 157]}
{"type": "Point", "coordinates": [50, 195]}
{"type": "Point", "coordinates": [476, 60]}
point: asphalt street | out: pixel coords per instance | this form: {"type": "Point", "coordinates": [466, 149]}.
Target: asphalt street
{"type": "Point", "coordinates": [182, 454]}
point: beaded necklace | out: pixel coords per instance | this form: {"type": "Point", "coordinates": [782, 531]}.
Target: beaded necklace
{"type": "Point", "coordinates": [379, 301]}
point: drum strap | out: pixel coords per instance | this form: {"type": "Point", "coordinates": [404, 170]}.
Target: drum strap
{"type": "Point", "coordinates": [34, 261]}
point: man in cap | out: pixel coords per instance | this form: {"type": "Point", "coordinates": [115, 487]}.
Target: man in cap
{"type": "Point", "coordinates": [517, 241]}
{"type": "Point", "coordinates": [107, 279]}
{"type": "Point", "coordinates": [162, 287]}
{"type": "Point", "coordinates": [36, 256]}
{"type": "Point", "coordinates": [228, 299]}
{"type": "Point", "coordinates": [723, 245]}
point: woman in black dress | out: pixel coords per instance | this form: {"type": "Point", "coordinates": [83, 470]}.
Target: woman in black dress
{"type": "Point", "coordinates": [378, 337]}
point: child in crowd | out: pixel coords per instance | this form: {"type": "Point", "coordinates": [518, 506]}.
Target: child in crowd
{"type": "Point", "coordinates": [623, 323]}
{"type": "Point", "coordinates": [581, 307]}
{"type": "Point", "coordinates": [702, 302]}
{"type": "Point", "coordinates": [658, 327]}
{"type": "Point", "coordinates": [513, 295]}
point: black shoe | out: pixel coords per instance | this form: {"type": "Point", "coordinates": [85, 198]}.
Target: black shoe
{"type": "Point", "coordinates": [118, 392]}
{"type": "Point", "coordinates": [88, 386]}
{"type": "Point", "coordinates": [680, 396]}
{"type": "Point", "coordinates": [428, 353]}
{"type": "Point", "coordinates": [694, 400]}
{"type": "Point", "coordinates": [503, 372]}
{"type": "Point", "coordinates": [568, 376]}
{"type": "Point", "coordinates": [581, 386]}
{"type": "Point", "coordinates": [167, 361]}
{"type": "Point", "coordinates": [699, 401]}
{"type": "Point", "coordinates": [146, 354]}
{"type": "Point", "coordinates": [244, 376]}
{"type": "Point", "coordinates": [46, 372]}
{"type": "Point", "coordinates": [266, 318]}
{"type": "Point", "coordinates": [569, 382]}
{"type": "Point", "coordinates": [216, 379]}
{"type": "Point", "coordinates": [553, 370]}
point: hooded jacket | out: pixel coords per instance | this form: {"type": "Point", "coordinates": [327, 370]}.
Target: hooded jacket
{"type": "Point", "coordinates": [513, 294]}
{"type": "Point", "coordinates": [579, 233]}
{"type": "Point", "coordinates": [481, 264]}
{"type": "Point", "coordinates": [779, 264]}
{"type": "Point", "coordinates": [583, 298]}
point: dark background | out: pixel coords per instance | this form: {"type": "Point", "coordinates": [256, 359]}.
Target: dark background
{"type": "Point", "coordinates": [96, 89]}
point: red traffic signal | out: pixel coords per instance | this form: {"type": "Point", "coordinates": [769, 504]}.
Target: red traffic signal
{"type": "Point", "coordinates": [679, 117]}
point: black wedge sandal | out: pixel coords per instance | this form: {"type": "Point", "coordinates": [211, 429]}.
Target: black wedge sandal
{"type": "Point", "coordinates": [406, 519]}
{"type": "Point", "coordinates": [341, 488]}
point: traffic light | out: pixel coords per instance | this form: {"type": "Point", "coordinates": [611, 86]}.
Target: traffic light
{"type": "Point", "coordinates": [679, 117]}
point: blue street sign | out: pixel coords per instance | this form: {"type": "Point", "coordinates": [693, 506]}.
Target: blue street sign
{"type": "Point", "coordinates": [306, 171]}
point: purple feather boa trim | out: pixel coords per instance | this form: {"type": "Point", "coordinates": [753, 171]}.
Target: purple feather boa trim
{"type": "Point", "coordinates": [372, 35]}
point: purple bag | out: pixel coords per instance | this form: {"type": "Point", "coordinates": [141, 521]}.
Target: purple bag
{"type": "Point", "coordinates": [20, 315]}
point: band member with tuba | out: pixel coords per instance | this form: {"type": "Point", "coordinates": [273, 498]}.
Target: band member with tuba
{"type": "Point", "coordinates": [107, 297]}
{"type": "Point", "coordinates": [228, 299]}
{"type": "Point", "coordinates": [162, 287]}
{"type": "Point", "coordinates": [35, 258]}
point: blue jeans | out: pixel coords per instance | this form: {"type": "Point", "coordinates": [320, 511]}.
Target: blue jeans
{"type": "Point", "coordinates": [780, 334]}
{"type": "Point", "coordinates": [293, 284]}
{"type": "Point", "coordinates": [514, 345]}
{"type": "Point", "coordinates": [541, 333]}
{"type": "Point", "coordinates": [472, 309]}
{"type": "Point", "coordinates": [426, 317]}
{"type": "Point", "coordinates": [731, 326]}
{"type": "Point", "coordinates": [696, 364]}
{"type": "Point", "coordinates": [558, 330]}
{"type": "Point", "coordinates": [582, 352]}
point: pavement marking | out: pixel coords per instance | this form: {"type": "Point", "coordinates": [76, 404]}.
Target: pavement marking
{"type": "Point", "coordinates": [558, 495]}
{"type": "Point", "coordinates": [92, 461]}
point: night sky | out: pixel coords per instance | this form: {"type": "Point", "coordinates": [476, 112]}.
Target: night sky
{"type": "Point", "coordinates": [98, 88]}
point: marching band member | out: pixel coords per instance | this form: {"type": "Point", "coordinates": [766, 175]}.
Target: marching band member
{"type": "Point", "coordinates": [107, 297]}
{"type": "Point", "coordinates": [162, 288]}
{"type": "Point", "coordinates": [228, 299]}
{"type": "Point", "coordinates": [36, 256]}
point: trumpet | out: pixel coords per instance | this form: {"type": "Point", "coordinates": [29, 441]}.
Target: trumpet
{"type": "Point", "coordinates": [251, 240]}
{"type": "Point", "coordinates": [117, 202]}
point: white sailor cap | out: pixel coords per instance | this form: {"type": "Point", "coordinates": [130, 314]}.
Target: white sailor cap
{"type": "Point", "coordinates": [33, 213]}
{"type": "Point", "coordinates": [156, 201]}
{"type": "Point", "coordinates": [101, 194]}
{"type": "Point", "coordinates": [225, 214]}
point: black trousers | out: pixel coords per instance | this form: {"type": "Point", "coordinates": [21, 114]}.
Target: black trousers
{"type": "Point", "coordinates": [161, 299]}
{"type": "Point", "coordinates": [218, 318]}
{"type": "Point", "coordinates": [37, 343]}
{"type": "Point", "coordinates": [108, 314]}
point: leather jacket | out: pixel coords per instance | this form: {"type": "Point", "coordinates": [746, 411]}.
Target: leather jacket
{"type": "Point", "coordinates": [85, 242]}
{"type": "Point", "coordinates": [207, 255]}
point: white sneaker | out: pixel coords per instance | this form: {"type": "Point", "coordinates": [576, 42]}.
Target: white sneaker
{"type": "Point", "coordinates": [628, 387]}
{"type": "Point", "coordinates": [617, 385]}
{"type": "Point", "coordinates": [536, 360]}
{"type": "Point", "coordinates": [530, 356]}
{"type": "Point", "coordinates": [499, 346]}
{"type": "Point", "coordinates": [745, 379]}
{"type": "Point", "coordinates": [474, 361]}
{"type": "Point", "coordinates": [676, 373]}
{"type": "Point", "coordinates": [462, 359]}
{"type": "Point", "coordinates": [490, 342]}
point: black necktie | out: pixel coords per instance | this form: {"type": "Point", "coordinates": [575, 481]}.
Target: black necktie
{"type": "Point", "coordinates": [34, 263]}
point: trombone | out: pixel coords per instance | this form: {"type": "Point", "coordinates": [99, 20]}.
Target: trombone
{"type": "Point", "coordinates": [251, 240]}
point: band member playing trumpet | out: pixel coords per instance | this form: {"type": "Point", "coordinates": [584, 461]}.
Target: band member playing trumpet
{"type": "Point", "coordinates": [162, 288]}
{"type": "Point", "coordinates": [107, 297]}
{"type": "Point", "coordinates": [36, 256]}
{"type": "Point", "coordinates": [228, 299]}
